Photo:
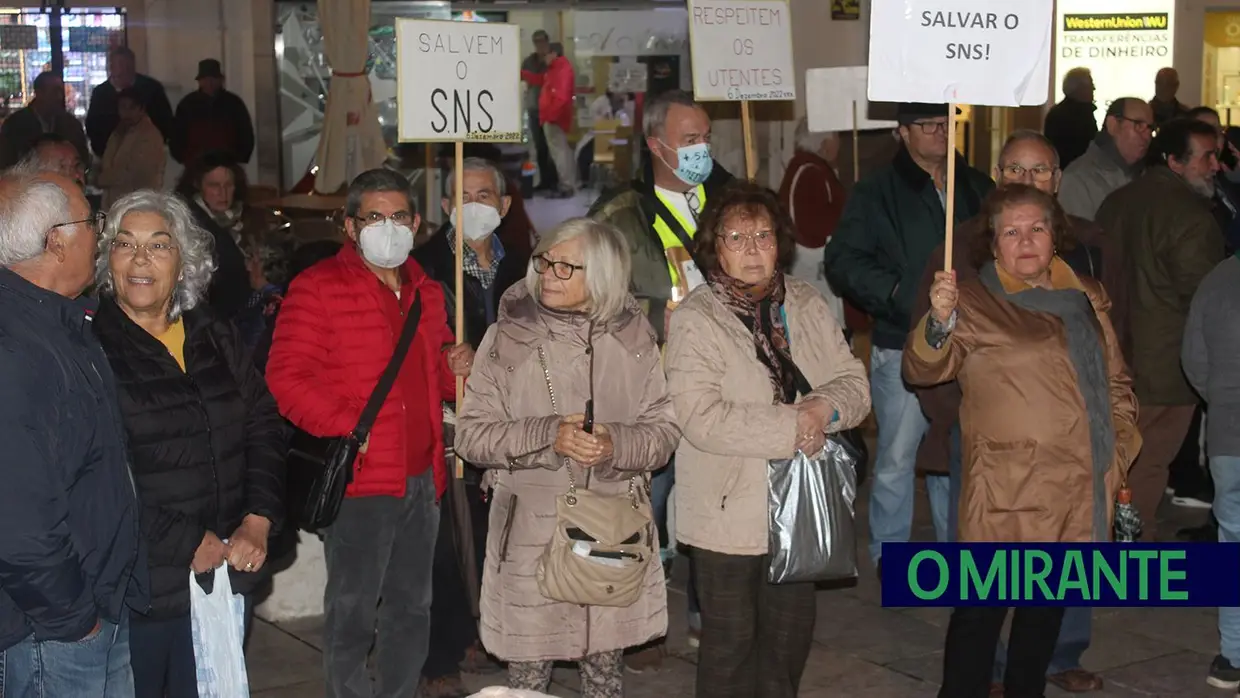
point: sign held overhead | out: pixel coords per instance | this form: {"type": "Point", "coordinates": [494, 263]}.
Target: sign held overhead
{"type": "Point", "coordinates": [741, 50]}
{"type": "Point", "coordinates": [960, 51]}
{"type": "Point", "coordinates": [835, 98]}
{"type": "Point", "coordinates": [458, 81]}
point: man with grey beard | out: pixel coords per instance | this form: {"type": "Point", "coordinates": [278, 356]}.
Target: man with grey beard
{"type": "Point", "coordinates": [1169, 240]}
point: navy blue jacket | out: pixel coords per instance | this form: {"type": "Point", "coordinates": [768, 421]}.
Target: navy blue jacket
{"type": "Point", "coordinates": [69, 536]}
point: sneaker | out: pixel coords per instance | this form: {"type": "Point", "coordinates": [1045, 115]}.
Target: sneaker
{"type": "Point", "coordinates": [1223, 674]}
{"type": "Point", "coordinates": [695, 638]}
{"type": "Point", "coordinates": [649, 659]}
{"type": "Point", "coordinates": [1192, 501]}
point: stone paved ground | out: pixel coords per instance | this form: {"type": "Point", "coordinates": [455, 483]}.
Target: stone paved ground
{"type": "Point", "coordinates": [861, 649]}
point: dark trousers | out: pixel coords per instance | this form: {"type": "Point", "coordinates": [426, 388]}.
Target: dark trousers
{"type": "Point", "coordinates": [755, 635]}
{"type": "Point", "coordinates": [1187, 476]}
{"type": "Point", "coordinates": [548, 177]}
{"type": "Point", "coordinates": [379, 557]}
{"type": "Point", "coordinates": [454, 629]}
{"type": "Point", "coordinates": [162, 655]}
{"type": "Point", "coordinates": [969, 656]}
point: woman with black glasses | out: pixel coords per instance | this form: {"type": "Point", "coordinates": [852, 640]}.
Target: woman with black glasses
{"type": "Point", "coordinates": [568, 392]}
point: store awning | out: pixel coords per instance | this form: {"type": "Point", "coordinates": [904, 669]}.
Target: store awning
{"type": "Point", "coordinates": [351, 141]}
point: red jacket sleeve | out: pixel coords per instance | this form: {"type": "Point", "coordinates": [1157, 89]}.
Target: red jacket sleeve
{"type": "Point", "coordinates": [441, 337]}
{"type": "Point", "coordinates": [557, 90]}
{"type": "Point", "coordinates": [532, 78]}
{"type": "Point", "coordinates": [299, 372]}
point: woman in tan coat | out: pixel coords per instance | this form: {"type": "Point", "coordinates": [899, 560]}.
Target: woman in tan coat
{"type": "Point", "coordinates": [733, 351]}
{"type": "Point", "coordinates": [573, 331]}
{"type": "Point", "coordinates": [1048, 418]}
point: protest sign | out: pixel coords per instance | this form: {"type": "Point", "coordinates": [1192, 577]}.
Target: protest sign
{"type": "Point", "coordinates": [830, 94]}
{"type": "Point", "coordinates": [1123, 43]}
{"type": "Point", "coordinates": [995, 53]}
{"type": "Point", "coordinates": [741, 50]}
{"type": "Point", "coordinates": [458, 81]}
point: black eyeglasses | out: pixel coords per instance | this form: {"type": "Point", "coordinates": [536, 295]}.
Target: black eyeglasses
{"type": "Point", "coordinates": [99, 219]}
{"type": "Point", "coordinates": [1142, 126]}
{"type": "Point", "coordinates": [374, 218]}
{"type": "Point", "coordinates": [562, 270]}
{"type": "Point", "coordinates": [931, 127]}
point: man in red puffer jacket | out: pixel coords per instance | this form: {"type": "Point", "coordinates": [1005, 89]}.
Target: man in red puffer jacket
{"type": "Point", "coordinates": [555, 110]}
{"type": "Point", "coordinates": [337, 329]}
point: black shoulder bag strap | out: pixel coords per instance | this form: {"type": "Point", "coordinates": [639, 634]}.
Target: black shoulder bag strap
{"type": "Point", "coordinates": [388, 378]}
{"type": "Point", "coordinates": [851, 439]}
{"type": "Point", "coordinates": [673, 223]}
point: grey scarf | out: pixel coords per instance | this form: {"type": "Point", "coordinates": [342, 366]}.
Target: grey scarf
{"type": "Point", "coordinates": [1080, 323]}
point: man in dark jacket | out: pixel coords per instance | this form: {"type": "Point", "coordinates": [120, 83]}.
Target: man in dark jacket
{"type": "Point", "coordinates": [892, 222]}
{"type": "Point", "coordinates": [211, 119]}
{"type": "Point", "coordinates": [71, 566]}
{"type": "Point", "coordinates": [104, 113]}
{"type": "Point", "coordinates": [1169, 240]}
{"type": "Point", "coordinates": [1071, 125]}
{"type": "Point", "coordinates": [1027, 158]}
{"type": "Point", "coordinates": [490, 269]}
{"type": "Point", "coordinates": [46, 113]}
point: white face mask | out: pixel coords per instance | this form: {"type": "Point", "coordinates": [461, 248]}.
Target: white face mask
{"type": "Point", "coordinates": [480, 220]}
{"type": "Point", "coordinates": [386, 245]}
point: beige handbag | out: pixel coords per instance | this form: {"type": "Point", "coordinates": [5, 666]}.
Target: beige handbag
{"type": "Point", "coordinates": [602, 547]}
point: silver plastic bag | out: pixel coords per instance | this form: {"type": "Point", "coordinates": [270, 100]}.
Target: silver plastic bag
{"type": "Point", "coordinates": [811, 505]}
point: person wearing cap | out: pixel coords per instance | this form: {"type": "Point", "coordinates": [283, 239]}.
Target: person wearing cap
{"type": "Point", "coordinates": [891, 223]}
{"type": "Point", "coordinates": [211, 119]}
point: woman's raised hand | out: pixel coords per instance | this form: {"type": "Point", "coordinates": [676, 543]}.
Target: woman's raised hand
{"type": "Point", "coordinates": [943, 295]}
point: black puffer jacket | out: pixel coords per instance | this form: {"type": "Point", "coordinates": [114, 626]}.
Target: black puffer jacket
{"type": "Point", "coordinates": [207, 444]}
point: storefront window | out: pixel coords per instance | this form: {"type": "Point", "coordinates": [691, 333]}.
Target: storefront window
{"type": "Point", "coordinates": [1221, 65]}
{"type": "Point", "coordinates": [86, 37]}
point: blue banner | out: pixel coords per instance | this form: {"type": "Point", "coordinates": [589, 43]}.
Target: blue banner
{"type": "Point", "coordinates": [1061, 574]}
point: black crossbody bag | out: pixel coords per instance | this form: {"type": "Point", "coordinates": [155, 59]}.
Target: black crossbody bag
{"type": "Point", "coordinates": [320, 468]}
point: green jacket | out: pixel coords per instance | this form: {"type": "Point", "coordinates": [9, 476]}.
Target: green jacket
{"type": "Point", "coordinates": [1169, 241]}
{"type": "Point", "coordinates": [627, 210]}
{"type": "Point", "coordinates": [892, 222]}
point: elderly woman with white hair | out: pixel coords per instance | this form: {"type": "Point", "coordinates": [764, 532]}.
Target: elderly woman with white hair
{"type": "Point", "coordinates": [813, 196]}
{"type": "Point", "coordinates": [568, 397]}
{"type": "Point", "coordinates": [205, 438]}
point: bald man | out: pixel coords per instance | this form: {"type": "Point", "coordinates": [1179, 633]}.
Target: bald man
{"type": "Point", "coordinates": [1165, 105]}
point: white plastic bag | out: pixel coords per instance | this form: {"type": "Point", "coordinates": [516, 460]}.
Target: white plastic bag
{"type": "Point", "coordinates": [218, 621]}
{"type": "Point", "coordinates": [501, 692]}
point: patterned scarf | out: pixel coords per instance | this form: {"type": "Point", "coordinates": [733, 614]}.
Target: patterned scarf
{"type": "Point", "coordinates": [759, 308]}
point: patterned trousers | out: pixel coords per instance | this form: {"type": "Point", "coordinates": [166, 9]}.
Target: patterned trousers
{"type": "Point", "coordinates": [602, 675]}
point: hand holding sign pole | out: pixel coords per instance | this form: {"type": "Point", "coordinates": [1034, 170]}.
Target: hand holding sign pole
{"type": "Point", "coordinates": [960, 52]}
{"type": "Point", "coordinates": [742, 52]}
{"type": "Point", "coordinates": [457, 82]}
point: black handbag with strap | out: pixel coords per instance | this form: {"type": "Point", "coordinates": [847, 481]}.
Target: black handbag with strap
{"type": "Point", "coordinates": [321, 468]}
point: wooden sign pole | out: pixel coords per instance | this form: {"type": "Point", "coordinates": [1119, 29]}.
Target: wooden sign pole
{"type": "Point", "coordinates": [950, 186]}
{"type": "Point", "coordinates": [458, 189]}
{"type": "Point", "coordinates": [432, 201]}
{"type": "Point", "coordinates": [856, 146]}
{"type": "Point", "coordinates": [751, 160]}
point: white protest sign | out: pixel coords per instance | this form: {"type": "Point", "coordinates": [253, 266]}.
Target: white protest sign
{"type": "Point", "coordinates": [1122, 42]}
{"type": "Point", "coordinates": [995, 53]}
{"type": "Point", "coordinates": [830, 94]}
{"type": "Point", "coordinates": [458, 81]}
{"type": "Point", "coordinates": [741, 50]}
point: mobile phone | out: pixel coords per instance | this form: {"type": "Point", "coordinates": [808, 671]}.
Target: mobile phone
{"type": "Point", "coordinates": [588, 425]}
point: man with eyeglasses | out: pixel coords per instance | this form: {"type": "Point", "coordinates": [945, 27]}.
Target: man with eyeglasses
{"type": "Point", "coordinates": [72, 569]}
{"type": "Point", "coordinates": [891, 224]}
{"type": "Point", "coordinates": [1169, 241]}
{"type": "Point", "coordinates": [338, 328]}
{"type": "Point", "coordinates": [1028, 158]}
{"type": "Point", "coordinates": [1114, 159]}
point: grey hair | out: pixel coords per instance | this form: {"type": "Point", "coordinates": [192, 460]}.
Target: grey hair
{"type": "Point", "coordinates": [1075, 79]}
{"type": "Point", "coordinates": [1026, 135]}
{"type": "Point", "coordinates": [605, 258]}
{"type": "Point", "coordinates": [195, 245]}
{"type": "Point", "coordinates": [377, 180]}
{"type": "Point", "coordinates": [810, 141]}
{"type": "Point", "coordinates": [654, 117]}
{"type": "Point", "coordinates": [34, 208]}
{"type": "Point", "coordinates": [476, 164]}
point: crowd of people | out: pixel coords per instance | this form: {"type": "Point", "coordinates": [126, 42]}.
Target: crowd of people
{"type": "Point", "coordinates": [688, 331]}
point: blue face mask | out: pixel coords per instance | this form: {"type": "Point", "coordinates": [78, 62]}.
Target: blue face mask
{"type": "Point", "coordinates": [694, 163]}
